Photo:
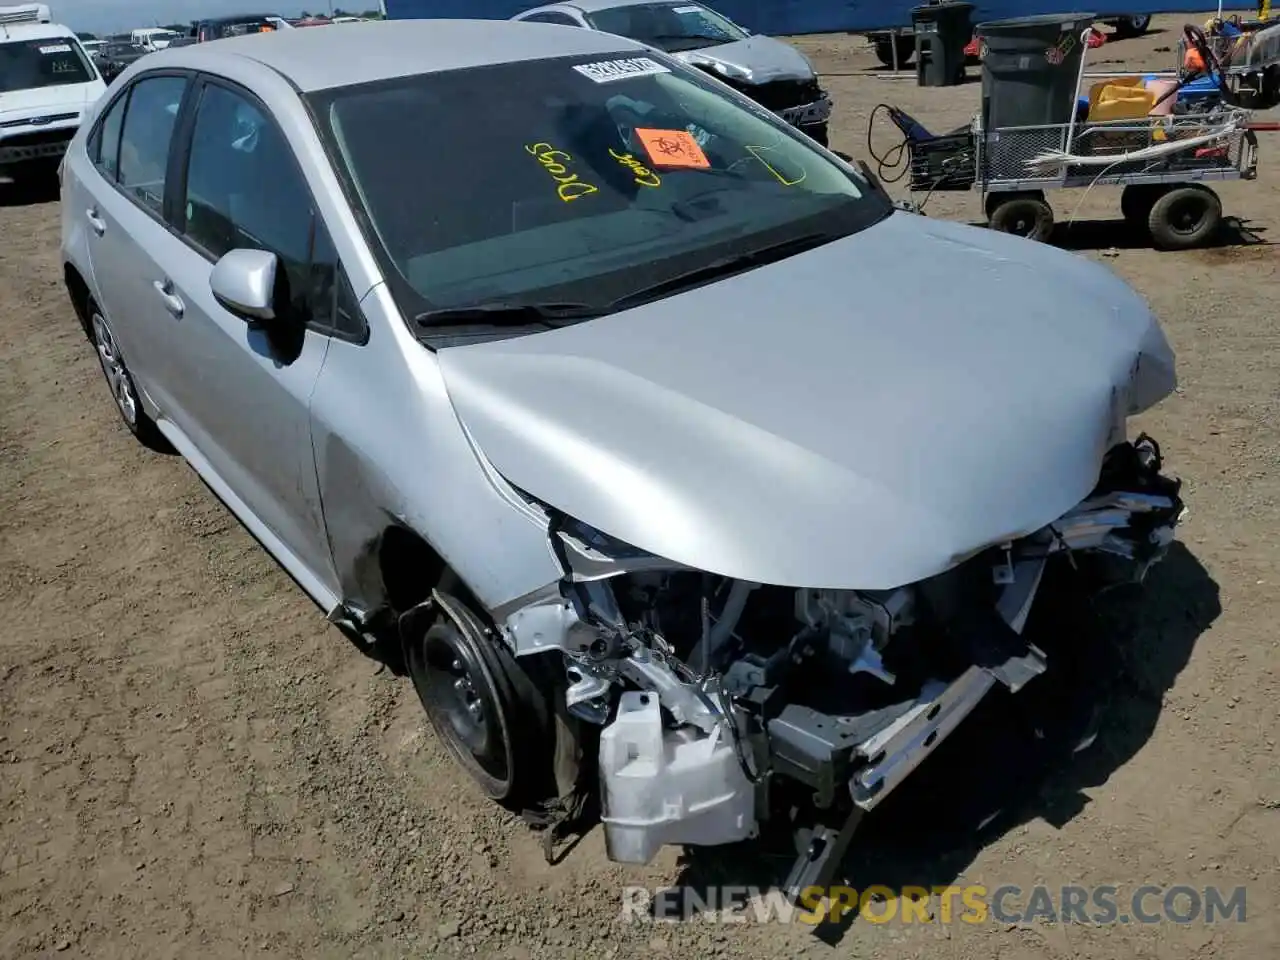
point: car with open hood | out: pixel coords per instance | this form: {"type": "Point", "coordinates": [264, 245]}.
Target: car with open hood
{"type": "Point", "coordinates": [675, 461]}
{"type": "Point", "coordinates": [769, 71]}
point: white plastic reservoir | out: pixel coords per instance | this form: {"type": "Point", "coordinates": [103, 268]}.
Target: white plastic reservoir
{"type": "Point", "coordinates": [669, 786]}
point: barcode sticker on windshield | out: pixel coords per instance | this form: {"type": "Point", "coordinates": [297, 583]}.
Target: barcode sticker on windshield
{"type": "Point", "coordinates": [606, 71]}
{"type": "Point", "coordinates": [687, 10]}
{"type": "Point", "coordinates": [56, 48]}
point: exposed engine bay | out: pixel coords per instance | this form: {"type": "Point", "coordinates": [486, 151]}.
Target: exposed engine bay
{"type": "Point", "coordinates": [715, 694]}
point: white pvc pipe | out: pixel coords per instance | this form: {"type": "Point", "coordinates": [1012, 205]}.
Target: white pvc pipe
{"type": "Point", "coordinates": [1075, 104]}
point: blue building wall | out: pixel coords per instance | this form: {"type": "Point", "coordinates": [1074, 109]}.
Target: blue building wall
{"type": "Point", "coordinates": [810, 16]}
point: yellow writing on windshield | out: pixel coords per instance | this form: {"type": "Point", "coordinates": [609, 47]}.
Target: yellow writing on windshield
{"type": "Point", "coordinates": [569, 186]}
{"type": "Point", "coordinates": [643, 175]}
{"type": "Point", "coordinates": [758, 153]}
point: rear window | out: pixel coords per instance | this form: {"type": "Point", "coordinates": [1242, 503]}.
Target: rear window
{"type": "Point", "coordinates": [26, 64]}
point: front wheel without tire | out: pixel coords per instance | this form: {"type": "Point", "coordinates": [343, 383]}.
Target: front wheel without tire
{"type": "Point", "coordinates": [501, 722]}
{"type": "Point", "coordinates": [1185, 217]}
{"type": "Point", "coordinates": [1029, 217]}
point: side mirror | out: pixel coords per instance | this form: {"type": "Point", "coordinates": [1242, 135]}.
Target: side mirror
{"type": "Point", "coordinates": [244, 281]}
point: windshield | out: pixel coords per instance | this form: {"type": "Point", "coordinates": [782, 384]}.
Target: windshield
{"type": "Point", "coordinates": [582, 179]}
{"type": "Point", "coordinates": [668, 26]}
{"type": "Point", "coordinates": [52, 62]}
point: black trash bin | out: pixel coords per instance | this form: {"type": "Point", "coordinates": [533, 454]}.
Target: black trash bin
{"type": "Point", "coordinates": [1030, 68]}
{"type": "Point", "coordinates": [942, 32]}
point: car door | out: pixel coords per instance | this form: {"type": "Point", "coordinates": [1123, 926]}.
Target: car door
{"type": "Point", "coordinates": [124, 210]}
{"type": "Point", "coordinates": [244, 388]}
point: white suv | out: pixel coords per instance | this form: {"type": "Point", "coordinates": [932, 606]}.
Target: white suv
{"type": "Point", "coordinates": [47, 86]}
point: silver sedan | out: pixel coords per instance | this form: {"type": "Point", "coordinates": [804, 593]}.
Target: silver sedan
{"type": "Point", "coordinates": [671, 458]}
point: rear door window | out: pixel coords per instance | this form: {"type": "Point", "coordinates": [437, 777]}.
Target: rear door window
{"type": "Point", "coordinates": [147, 134]}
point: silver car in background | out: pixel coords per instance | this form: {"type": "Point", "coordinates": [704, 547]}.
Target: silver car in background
{"type": "Point", "coordinates": [675, 462]}
{"type": "Point", "coordinates": [773, 73]}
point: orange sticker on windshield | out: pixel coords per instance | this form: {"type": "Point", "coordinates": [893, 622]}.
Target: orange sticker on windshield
{"type": "Point", "coordinates": [672, 148]}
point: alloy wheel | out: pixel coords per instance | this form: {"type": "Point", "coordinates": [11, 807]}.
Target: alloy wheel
{"type": "Point", "coordinates": [113, 366]}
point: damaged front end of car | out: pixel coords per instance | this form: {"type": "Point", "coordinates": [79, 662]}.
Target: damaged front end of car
{"type": "Point", "coordinates": [720, 698]}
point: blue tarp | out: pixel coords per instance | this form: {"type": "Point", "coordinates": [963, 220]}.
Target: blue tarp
{"type": "Point", "coordinates": [793, 17]}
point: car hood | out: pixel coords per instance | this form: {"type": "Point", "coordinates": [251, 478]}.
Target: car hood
{"type": "Point", "coordinates": [754, 60]}
{"type": "Point", "coordinates": [863, 415]}
{"type": "Point", "coordinates": [40, 102]}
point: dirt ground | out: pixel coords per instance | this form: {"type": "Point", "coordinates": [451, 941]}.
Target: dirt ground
{"type": "Point", "coordinates": [192, 763]}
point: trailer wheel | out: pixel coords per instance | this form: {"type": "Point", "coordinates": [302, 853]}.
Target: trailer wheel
{"type": "Point", "coordinates": [1023, 215]}
{"type": "Point", "coordinates": [1137, 200]}
{"type": "Point", "coordinates": [906, 47]}
{"type": "Point", "coordinates": [1184, 217]}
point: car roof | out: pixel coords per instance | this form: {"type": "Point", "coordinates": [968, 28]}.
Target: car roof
{"type": "Point", "coordinates": [35, 31]}
{"type": "Point", "coordinates": [384, 50]}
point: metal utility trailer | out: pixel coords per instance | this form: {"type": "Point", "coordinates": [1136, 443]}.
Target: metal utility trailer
{"type": "Point", "coordinates": [1165, 187]}
{"type": "Point", "coordinates": [1164, 160]}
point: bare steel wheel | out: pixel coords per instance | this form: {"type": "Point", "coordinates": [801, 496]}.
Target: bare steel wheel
{"type": "Point", "coordinates": [503, 723]}
{"type": "Point", "coordinates": [119, 380]}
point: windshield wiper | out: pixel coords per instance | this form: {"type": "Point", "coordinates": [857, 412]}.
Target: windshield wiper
{"type": "Point", "coordinates": [690, 36]}
{"type": "Point", "coordinates": [724, 267]}
{"type": "Point", "coordinates": [509, 313]}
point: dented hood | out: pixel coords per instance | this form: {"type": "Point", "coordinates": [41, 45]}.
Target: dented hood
{"type": "Point", "coordinates": [863, 415]}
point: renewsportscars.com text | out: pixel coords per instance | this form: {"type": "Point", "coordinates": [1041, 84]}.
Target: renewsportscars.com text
{"type": "Point", "coordinates": [974, 904]}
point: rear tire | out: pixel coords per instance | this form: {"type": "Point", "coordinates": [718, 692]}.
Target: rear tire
{"type": "Point", "coordinates": [1185, 217]}
{"type": "Point", "coordinates": [120, 382]}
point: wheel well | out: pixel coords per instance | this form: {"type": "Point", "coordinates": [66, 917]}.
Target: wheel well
{"type": "Point", "coordinates": [78, 290]}
{"type": "Point", "coordinates": [410, 569]}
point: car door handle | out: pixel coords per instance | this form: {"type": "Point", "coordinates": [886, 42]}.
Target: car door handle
{"type": "Point", "coordinates": [172, 302]}
{"type": "Point", "coordinates": [95, 221]}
